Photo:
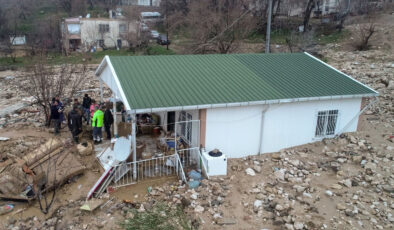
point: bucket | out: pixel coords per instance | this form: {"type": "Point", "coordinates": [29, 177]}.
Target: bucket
{"type": "Point", "coordinates": [171, 144]}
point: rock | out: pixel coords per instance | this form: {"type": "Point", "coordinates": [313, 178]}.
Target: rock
{"type": "Point", "coordinates": [336, 186]}
{"type": "Point", "coordinates": [341, 160]}
{"type": "Point", "coordinates": [388, 188]}
{"type": "Point", "coordinates": [280, 174]}
{"type": "Point", "coordinates": [279, 207]}
{"type": "Point", "coordinates": [352, 139]}
{"type": "Point", "coordinates": [370, 165]}
{"type": "Point", "coordinates": [256, 205]}
{"type": "Point", "coordinates": [295, 162]}
{"type": "Point", "coordinates": [250, 172]}
{"type": "Point", "coordinates": [357, 159]}
{"type": "Point", "coordinates": [226, 221]}
{"type": "Point", "coordinates": [198, 209]}
{"type": "Point", "coordinates": [257, 168]}
{"type": "Point", "coordinates": [307, 195]}
{"type": "Point", "coordinates": [341, 207]}
{"type": "Point", "coordinates": [349, 212]}
{"type": "Point", "coordinates": [347, 183]}
{"type": "Point", "coordinates": [194, 196]}
{"type": "Point", "coordinates": [298, 225]}
{"type": "Point", "coordinates": [276, 156]}
{"type": "Point", "coordinates": [390, 85]}
{"type": "Point", "coordinates": [289, 227]}
{"type": "Point", "coordinates": [299, 188]}
{"type": "Point", "coordinates": [329, 193]}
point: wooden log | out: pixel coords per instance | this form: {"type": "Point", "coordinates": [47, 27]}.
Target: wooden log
{"type": "Point", "coordinates": [43, 150]}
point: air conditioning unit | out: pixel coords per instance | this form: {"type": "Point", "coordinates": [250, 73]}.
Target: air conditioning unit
{"type": "Point", "coordinates": [215, 165]}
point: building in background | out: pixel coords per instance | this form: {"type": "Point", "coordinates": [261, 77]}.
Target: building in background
{"type": "Point", "coordinates": [155, 3]}
{"type": "Point", "coordinates": [84, 34]}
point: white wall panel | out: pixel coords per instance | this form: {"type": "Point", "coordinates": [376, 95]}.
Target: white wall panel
{"type": "Point", "coordinates": [236, 130]}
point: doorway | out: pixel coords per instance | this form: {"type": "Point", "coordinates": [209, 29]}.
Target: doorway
{"type": "Point", "coordinates": [170, 121]}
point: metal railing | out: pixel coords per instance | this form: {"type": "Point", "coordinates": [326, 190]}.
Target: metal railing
{"type": "Point", "coordinates": [147, 169]}
{"type": "Point", "coordinates": [128, 173]}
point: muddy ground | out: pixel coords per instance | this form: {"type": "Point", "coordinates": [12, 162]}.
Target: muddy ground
{"type": "Point", "coordinates": [343, 183]}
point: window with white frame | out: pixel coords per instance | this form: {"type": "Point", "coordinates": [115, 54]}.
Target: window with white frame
{"type": "Point", "coordinates": [103, 28]}
{"type": "Point", "coordinates": [122, 28]}
{"type": "Point", "coordinates": [326, 123]}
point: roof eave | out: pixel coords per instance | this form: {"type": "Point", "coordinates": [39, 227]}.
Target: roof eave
{"type": "Point", "coordinates": [242, 104]}
{"type": "Point", "coordinates": [101, 67]}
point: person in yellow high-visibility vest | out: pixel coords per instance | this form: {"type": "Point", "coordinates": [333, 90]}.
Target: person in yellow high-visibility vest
{"type": "Point", "coordinates": [97, 124]}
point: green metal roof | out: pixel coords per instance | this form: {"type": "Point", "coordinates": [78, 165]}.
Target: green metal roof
{"type": "Point", "coordinates": [186, 80]}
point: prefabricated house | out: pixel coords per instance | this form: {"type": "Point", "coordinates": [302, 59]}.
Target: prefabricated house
{"type": "Point", "coordinates": [241, 104]}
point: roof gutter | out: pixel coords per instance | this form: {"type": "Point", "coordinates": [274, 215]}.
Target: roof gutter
{"type": "Point", "coordinates": [242, 104]}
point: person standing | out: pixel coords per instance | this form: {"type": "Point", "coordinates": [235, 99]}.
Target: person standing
{"type": "Point", "coordinates": [75, 122]}
{"type": "Point", "coordinates": [97, 124]}
{"type": "Point", "coordinates": [87, 101]}
{"type": "Point", "coordinates": [92, 108]}
{"type": "Point", "coordinates": [61, 111]}
{"type": "Point", "coordinates": [108, 121]}
{"type": "Point", "coordinates": [55, 116]}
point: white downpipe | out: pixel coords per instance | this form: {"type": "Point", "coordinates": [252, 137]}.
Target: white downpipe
{"type": "Point", "coordinates": [356, 116]}
{"type": "Point", "coordinates": [134, 143]}
{"type": "Point", "coordinates": [262, 128]}
{"type": "Point", "coordinates": [115, 119]}
{"type": "Point", "coordinates": [101, 90]}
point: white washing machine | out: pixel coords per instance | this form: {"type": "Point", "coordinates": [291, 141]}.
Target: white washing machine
{"type": "Point", "coordinates": [216, 166]}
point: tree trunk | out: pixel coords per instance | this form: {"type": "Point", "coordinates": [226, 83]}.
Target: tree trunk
{"type": "Point", "coordinates": [307, 13]}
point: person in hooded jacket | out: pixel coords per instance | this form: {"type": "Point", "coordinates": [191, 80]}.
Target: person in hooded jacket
{"type": "Point", "coordinates": [108, 121]}
{"type": "Point", "coordinates": [75, 122]}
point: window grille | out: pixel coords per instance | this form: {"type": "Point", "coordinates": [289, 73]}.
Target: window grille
{"type": "Point", "coordinates": [326, 123]}
{"type": "Point", "coordinates": [122, 28]}
{"type": "Point", "coordinates": [103, 28]}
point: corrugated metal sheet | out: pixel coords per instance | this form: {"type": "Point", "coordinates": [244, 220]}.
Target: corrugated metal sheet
{"type": "Point", "coordinates": [183, 80]}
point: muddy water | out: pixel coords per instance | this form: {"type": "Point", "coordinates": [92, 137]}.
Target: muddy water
{"type": "Point", "coordinates": [137, 192]}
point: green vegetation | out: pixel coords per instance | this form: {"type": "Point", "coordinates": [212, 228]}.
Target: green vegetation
{"type": "Point", "coordinates": [57, 58]}
{"type": "Point", "coordinates": [277, 36]}
{"type": "Point", "coordinates": [159, 50]}
{"type": "Point", "coordinates": [159, 217]}
{"type": "Point", "coordinates": [333, 37]}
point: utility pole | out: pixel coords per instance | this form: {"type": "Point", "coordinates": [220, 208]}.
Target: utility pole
{"type": "Point", "coordinates": [167, 23]}
{"type": "Point", "coordinates": [268, 36]}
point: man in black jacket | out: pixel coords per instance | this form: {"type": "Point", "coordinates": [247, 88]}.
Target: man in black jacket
{"type": "Point", "coordinates": [75, 122]}
{"type": "Point", "coordinates": [108, 121]}
{"type": "Point", "coordinates": [55, 116]}
{"type": "Point", "coordinates": [87, 101]}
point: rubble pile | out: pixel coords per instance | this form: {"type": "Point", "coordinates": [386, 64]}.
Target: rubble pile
{"type": "Point", "coordinates": [374, 68]}
{"type": "Point", "coordinates": [17, 108]}
{"type": "Point", "coordinates": [353, 175]}
{"type": "Point", "coordinates": [18, 147]}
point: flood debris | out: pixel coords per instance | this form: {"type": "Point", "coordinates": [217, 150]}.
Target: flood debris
{"type": "Point", "coordinates": [42, 170]}
{"type": "Point", "coordinates": [4, 209]}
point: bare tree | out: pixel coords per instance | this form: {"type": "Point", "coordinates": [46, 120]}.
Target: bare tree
{"type": "Point", "coordinates": [365, 32]}
{"type": "Point", "coordinates": [307, 13]}
{"type": "Point", "coordinates": [73, 7]}
{"type": "Point", "coordinates": [218, 26]}
{"type": "Point", "coordinates": [45, 81]}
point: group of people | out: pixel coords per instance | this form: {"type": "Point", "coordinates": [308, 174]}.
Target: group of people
{"type": "Point", "coordinates": [90, 111]}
